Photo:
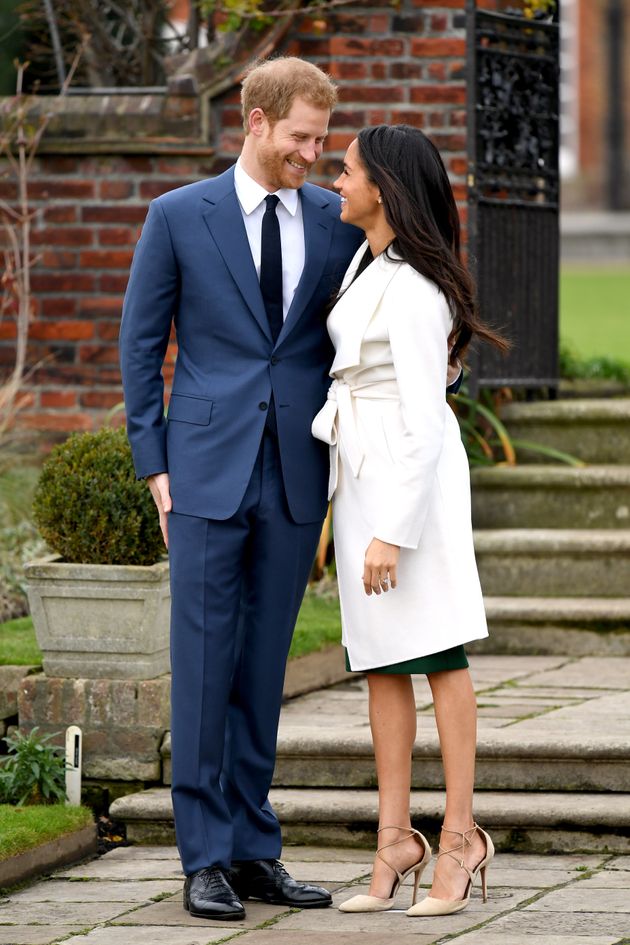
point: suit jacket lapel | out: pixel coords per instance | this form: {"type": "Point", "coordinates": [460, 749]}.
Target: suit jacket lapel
{"type": "Point", "coordinates": [224, 219]}
{"type": "Point", "coordinates": [318, 227]}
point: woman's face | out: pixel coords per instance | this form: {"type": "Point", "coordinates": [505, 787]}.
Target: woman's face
{"type": "Point", "coordinates": [359, 196]}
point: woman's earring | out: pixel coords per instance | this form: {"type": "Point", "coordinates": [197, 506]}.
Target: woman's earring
{"type": "Point", "coordinates": [380, 200]}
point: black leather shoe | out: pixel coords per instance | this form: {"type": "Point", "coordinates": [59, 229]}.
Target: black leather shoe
{"type": "Point", "coordinates": [209, 895]}
{"type": "Point", "coordinates": [269, 881]}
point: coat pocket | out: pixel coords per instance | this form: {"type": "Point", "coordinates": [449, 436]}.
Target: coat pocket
{"type": "Point", "coordinates": [190, 409]}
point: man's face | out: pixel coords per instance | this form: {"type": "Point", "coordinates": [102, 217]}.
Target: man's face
{"type": "Point", "coordinates": [286, 151]}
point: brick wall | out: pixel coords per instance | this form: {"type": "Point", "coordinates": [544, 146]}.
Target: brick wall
{"type": "Point", "coordinates": [101, 164]}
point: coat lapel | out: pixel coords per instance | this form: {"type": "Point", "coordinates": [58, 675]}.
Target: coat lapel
{"type": "Point", "coordinates": [318, 227]}
{"type": "Point", "coordinates": [224, 219]}
{"type": "Point", "coordinates": [357, 304]}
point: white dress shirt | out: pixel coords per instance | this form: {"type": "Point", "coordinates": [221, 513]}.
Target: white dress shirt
{"type": "Point", "coordinates": [251, 197]}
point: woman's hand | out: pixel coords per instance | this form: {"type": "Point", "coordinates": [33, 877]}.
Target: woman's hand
{"type": "Point", "coordinates": [160, 490]}
{"type": "Point", "coordinates": [381, 560]}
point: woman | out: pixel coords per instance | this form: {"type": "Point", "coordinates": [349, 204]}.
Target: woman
{"type": "Point", "coordinates": [401, 505]}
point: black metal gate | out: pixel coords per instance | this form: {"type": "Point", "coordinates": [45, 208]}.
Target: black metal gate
{"type": "Point", "coordinates": [513, 191]}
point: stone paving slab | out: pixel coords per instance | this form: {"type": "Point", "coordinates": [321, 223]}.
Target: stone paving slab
{"type": "Point", "coordinates": [169, 935]}
{"type": "Point", "coordinates": [135, 869]}
{"type": "Point", "coordinates": [34, 934]}
{"type": "Point", "coordinates": [553, 900]}
{"type": "Point", "coordinates": [59, 890]}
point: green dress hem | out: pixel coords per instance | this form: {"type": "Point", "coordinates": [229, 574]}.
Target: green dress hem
{"type": "Point", "coordinates": [454, 658]}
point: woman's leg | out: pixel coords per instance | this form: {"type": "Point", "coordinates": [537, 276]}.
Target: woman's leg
{"type": "Point", "coordinates": [393, 724]}
{"type": "Point", "coordinates": [456, 717]}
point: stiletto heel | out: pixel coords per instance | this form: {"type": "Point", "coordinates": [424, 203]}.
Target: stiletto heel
{"type": "Point", "coordinates": [375, 903]}
{"type": "Point", "coordinates": [431, 906]}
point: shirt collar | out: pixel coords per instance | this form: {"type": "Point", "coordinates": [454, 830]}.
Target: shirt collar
{"type": "Point", "coordinates": [250, 193]}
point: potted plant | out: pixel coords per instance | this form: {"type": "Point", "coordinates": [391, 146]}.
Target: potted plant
{"type": "Point", "coordinates": [101, 602]}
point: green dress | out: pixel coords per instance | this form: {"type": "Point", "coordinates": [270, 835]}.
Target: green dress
{"type": "Point", "coordinates": [455, 658]}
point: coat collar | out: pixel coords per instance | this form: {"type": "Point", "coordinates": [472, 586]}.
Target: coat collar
{"type": "Point", "coordinates": [358, 301]}
{"type": "Point", "coordinates": [224, 219]}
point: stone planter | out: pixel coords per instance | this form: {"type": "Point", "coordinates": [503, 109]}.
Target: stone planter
{"type": "Point", "coordinates": [100, 620]}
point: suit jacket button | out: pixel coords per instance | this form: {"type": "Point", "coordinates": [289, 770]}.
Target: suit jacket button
{"type": "Point", "coordinates": [274, 359]}
{"type": "Point", "coordinates": [263, 405]}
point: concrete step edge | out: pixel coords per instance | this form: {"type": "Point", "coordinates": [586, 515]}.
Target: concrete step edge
{"type": "Point", "coordinates": [325, 806]}
{"type": "Point", "coordinates": [550, 541]}
{"type": "Point", "coordinates": [561, 412]}
{"type": "Point", "coordinates": [565, 609]}
{"type": "Point", "coordinates": [544, 476]}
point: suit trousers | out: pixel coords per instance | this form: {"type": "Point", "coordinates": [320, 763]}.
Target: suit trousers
{"type": "Point", "coordinates": [236, 589]}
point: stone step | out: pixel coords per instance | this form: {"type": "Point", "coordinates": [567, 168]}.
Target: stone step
{"type": "Point", "coordinates": [581, 626]}
{"type": "Point", "coordinates": [523, 821]}
{"type": "Point", "coordinates": [595, 430]}
{"type": "Point", "coordinates": [550, 562]}
{"type": "Point", "coordinates": [541, 753]}
{"type": "Point", "coordinates": [545, 496]}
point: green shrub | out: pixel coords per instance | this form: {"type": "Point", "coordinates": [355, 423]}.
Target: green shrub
{"type": "Point", "coordinates": [33, 771]}
{"type": "Point", "coordinates": [90, 508]}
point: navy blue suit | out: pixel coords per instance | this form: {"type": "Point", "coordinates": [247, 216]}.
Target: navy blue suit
{"type": "Point", "coordinates": [248, 495]}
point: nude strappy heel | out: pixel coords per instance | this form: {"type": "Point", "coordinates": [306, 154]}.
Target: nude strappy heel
{"type": "Point", "coordinates": [431, 906]}
{"type": "Point", "coordinates": [376, 904]}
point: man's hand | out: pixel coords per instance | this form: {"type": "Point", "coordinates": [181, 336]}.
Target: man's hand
{"type": "Point", "coordinates": [160, 490]}
{"type": "Point", "coordinates": [379, 570]}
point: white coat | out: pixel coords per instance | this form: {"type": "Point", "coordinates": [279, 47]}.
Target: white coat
{"type": "Point", "coordinates": [398, 468]}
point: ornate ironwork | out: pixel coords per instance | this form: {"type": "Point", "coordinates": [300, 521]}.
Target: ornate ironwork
{"type": "Point", "coordinates": [517, 74]}
{"type": "Point", "coordinates": [513, 190]}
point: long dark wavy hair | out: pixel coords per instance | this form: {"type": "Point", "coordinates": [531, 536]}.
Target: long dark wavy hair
{"type": "Point", "coordinates": [420, 208]}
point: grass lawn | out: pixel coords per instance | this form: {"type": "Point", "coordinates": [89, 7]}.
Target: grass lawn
{"type": "Point", "coordinates": [318, 624]}
{"type": "Point", "coordinates": [18, 646]}
{"type": "Point", "coordinates": [22, 828]}
{"type": "Point", "coordinates": [595, 311]}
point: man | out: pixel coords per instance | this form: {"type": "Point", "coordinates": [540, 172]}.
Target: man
{"type": "Point", "coordinates": [239, 482]}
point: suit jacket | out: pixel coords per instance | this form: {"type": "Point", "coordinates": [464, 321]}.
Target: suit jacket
{"type": "Point", "coordinates": [193, 267]}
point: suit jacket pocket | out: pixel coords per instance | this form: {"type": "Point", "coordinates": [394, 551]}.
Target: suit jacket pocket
{"type": "Point", "coordinates": [190, 409]}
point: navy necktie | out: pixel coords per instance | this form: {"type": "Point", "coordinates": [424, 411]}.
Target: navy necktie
{"type": "Point", "coordinates": [271, 266]}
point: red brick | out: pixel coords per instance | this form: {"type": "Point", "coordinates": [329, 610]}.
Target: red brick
{"type": "Point", "coordinates": [58, 398]}
{"type": "Point", "coordinates": [439, 23]}
{"type": "Point", "coordinates": [352, 118]}
{"type": "Point", "coordinates": [348, 70]}
{"type": "Point", "coordinates": [114, 283]}
{"type": "Point", "coordinates": [100, 307]}
{"type": "Point", "coordinates": [434, 47]}
{"type": "Point", "coordinates": [78, 189]}
{"type": "Point", "coordinates": [115, 189]}
{"type": "Point", "coordinates": [451, 4]}
{"type": "Point", "coordinates": [339, 140]}
{"type": "Point", "coordinates": [62, 282]}
{"type": "Point", "coordinates": [124, 214]}
{"type": "Point", "coordinates": [436, 119]}
{"type": "Point", "coordinates": [61, 330]}
{"type": "Point", "coordinates": [457, 70]}
{"type": "Point", "coordinates": [407, 70]}
{"type": "Point", "coordinates": [117, 236]}
{"type": "Point", "coordinates": [106, 259]}
{"type": "Point", "coordinates": [458, 118]}
{"type": "Point", "coordinates": [432, 94]}
{"type": "Point", "coordinates": [458, 165]}
{"type": "Point", "coordinates": [449, 142]}
{"type": "Point", "coordinates": [379, 23]}
{"type": "Point", "coordinates": [60, 165]}
{"type": "Point", "coordinates": [62, 236]}
{"type": "Point", "coordinates": [379, 71]}
{"type": "Point", "coordinates": [231, 118]}
{"type": "Point", "coordinates": [416, 119]}
{"type": "Point", "coordinates": [99, 354]}
{"type": "Point", "coordinates": [100, 399]}
{"type": "Point", "coordinates": [60, 214]}
{"type": "Point", "coordinates": [52, 260]}
{"type": "Point", "coordinates": [8, 330]}
{"type": "Point", "coordinates": [56, 307]}
{"type": "Point", "coordinates": [342, 46]}
{"type": "Point", "coordinates": [437, 71]}
{"type": "Point", "coordinates": [108, 331]}
{"type": "Point", "coordinates": [155, 188]}
{"type": "Point", "coordinates": [66, 422]}
{"type": "Point", "coordinates": [374, 93]}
